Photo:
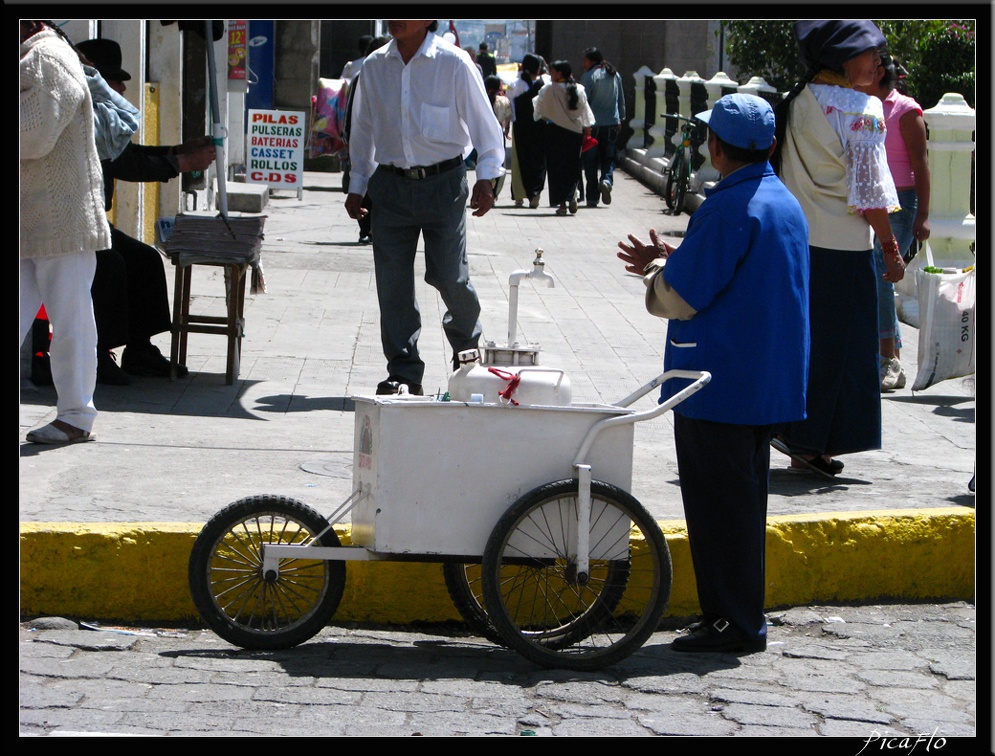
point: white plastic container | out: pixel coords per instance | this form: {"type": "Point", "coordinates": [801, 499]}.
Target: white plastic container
{"type": "Point", "coordinates": [531, 385]}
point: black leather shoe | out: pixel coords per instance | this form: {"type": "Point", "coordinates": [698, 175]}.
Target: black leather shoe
{"type": "Point", "coordinates": [719, 636]}
{"type": "Point", "coordinates": [148, 361]}
{"type": "Point", "coordinates": [393, 386]}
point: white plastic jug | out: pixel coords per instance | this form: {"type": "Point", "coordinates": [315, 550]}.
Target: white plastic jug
{"type": "Point", "coordinates": [531, 385]}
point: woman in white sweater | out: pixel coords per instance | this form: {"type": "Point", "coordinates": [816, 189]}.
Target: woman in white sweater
{"type": "Point", "coordinates": [62, 221]}
{"type": "Point", "coordinates": [563, 105]}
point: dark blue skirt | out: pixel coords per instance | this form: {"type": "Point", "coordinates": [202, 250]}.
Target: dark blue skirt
{"type": "Point", "coordinates": [844, 388]}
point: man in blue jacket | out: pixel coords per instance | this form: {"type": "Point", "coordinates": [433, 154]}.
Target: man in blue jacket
{"type": "Point", "coordinates": [736, 296]}
{"type": "Point", "coordinates": [603, 85]}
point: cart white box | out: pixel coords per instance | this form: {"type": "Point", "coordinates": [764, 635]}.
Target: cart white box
{"type": "Point", "coordinates": [437, 476]}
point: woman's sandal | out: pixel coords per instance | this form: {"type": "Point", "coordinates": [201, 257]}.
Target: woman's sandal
{"type": "Point", "coordinates": [58, 432]}
{"type": "Point", "coordinates": [817, 464]}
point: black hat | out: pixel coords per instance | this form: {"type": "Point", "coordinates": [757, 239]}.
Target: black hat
{"type": "Point", "coordinates": [105, 54]}
{"type": "Point", "coordinates": [829, 43]}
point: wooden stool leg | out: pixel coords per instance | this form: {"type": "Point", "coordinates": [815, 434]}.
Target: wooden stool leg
{"type": "Point", "coordinates": [185, 332]}
{"type": "Point", "coordinates": [234, 282]}
{"type": "Point", "coordinates": [178, 322]}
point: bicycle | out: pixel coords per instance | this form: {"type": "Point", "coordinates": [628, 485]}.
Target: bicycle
{"type": "Point", "coordinates": [679, 173]}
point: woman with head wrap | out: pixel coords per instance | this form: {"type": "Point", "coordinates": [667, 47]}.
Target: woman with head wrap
{"type": "Point", "coordinates": [528, 157]}
{"type": "Point", "coordinates": [563, 104]}
{"type": "Point", "coordinates": [907, 160]}
{"type": "Point", "coordinates": [833, 160]}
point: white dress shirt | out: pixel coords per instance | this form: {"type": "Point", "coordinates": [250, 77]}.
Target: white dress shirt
{"type": "Point", "coordinates": [430, 110]}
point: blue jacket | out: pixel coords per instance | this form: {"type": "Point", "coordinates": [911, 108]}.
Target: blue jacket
{"type": "Point", "coordinates": [744, 266]}
{"type": "Point", "coordinates": [604, 95]}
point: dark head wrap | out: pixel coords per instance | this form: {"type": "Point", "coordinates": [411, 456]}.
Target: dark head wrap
{"type": "Point", "coordinates": [531, 63]}
{"type": "Point", "coordinates": [829, 43]}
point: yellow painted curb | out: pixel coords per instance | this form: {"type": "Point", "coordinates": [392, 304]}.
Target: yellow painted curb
{"type": "Point", "coordinates": [138, 571]}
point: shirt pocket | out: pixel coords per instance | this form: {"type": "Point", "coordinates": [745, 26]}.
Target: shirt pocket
{"type": "Point", "coordinates": [435, 121]}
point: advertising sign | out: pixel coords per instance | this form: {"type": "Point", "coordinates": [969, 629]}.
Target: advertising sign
{"type": "Point", "coordinates": [275, 148]}
{"type": "Point", "coordinates": [236, 50]}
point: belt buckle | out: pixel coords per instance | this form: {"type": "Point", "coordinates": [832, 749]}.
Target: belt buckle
{"type": "Point", "coordinates": [414, 173]}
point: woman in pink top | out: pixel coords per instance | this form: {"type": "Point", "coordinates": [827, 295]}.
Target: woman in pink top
{"type": "Point", "coordinates": [905, 143]}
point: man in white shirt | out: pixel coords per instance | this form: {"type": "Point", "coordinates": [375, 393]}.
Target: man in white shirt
{"type": "Point", "coordinates": [409, 137]}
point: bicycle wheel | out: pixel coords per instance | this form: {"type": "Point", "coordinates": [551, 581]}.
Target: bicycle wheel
{"type": "Point", "coordinates": [466, 591]}
{"type": "Point", "coordinates": [670, 193]}
{"type": "Point", "coordinates": [678, 181]}
{"type": "Point", "coordinates": [552, 615]}
{"type": "Point", "coordinates": [231, 593]}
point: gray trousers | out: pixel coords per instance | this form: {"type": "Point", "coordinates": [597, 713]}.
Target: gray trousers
{"type": "Point", "coordinates": [434, 207]}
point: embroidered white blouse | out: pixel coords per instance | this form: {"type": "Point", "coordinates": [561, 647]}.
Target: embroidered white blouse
{"type": "Point", "coordinates": [858, 120]}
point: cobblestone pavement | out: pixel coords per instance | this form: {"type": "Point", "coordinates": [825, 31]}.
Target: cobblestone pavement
{"type": "Point", "coordinates": [864, 673]}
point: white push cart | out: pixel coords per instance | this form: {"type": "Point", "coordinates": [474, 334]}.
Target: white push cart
{"type": "Point", "coordinates": [528, 509]}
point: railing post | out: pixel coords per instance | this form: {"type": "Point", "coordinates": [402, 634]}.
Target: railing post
{"type": "Point", "coordinates": [716, 87]}
{"type": "Point", "coordinates": [758, 86]}
{"type": "Point", "coordinates": [639, 120]}
{"type": "Point", "coordinates": [661, 129]}
{"type": "Point", "coordinates": [950, 145]}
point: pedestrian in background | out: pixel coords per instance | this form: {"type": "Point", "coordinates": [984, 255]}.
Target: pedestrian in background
{"type": "Point", "coordinates": [746, 243]}
{"type": "Point", "coordinates": [603, 85]}
{"type": "Point", "coordinates": [905, 144]}
{"type": "Point", "coordinates": [563, 105]}
{"type": "Point", "coordinates": [408, 139]}
{"type": "Point", "coordinates": [528, 153]}
{"type": "Point", "coordinates": [354, 66]}
{"type": "Point", "coordinates": [130, 295]}
{"type": "Point", "coordinates": [62, 221]}
{"type": "Point", "coordinates": [503, 112]}
{"type": "Point", "coordinates": [365, 220]}
{"type": "Point", "coordinates": [488, 66]}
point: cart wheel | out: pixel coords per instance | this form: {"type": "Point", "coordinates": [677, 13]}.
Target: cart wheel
{"type": "Point", "coordinates": [230, 592]}
{"type": "Point", "coordinates": [537, 601]}
{"type": "Point", "coordinates": [466, 591]}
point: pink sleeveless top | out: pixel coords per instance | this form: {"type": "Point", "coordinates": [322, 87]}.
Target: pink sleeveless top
{"type": "Point", "coordinates": [897, 105]}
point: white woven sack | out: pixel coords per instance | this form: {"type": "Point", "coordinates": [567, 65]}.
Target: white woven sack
{"type": "Point", "coordinates": [947, 332]}
{"type": "Point", "coordinates": [907, 291]}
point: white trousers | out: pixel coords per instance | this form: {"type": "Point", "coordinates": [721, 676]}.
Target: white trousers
{"type": "Point", "coordinates": [62, 283]}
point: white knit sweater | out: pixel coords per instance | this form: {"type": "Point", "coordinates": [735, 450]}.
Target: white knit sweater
{"type": "Point", "coordinates": [61, 197]}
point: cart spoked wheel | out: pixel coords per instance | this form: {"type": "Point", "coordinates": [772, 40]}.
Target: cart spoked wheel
{"type": "Point", "coordinates": [556, 615]}
{"type": "Point", "coordinates": [250, 609]}
{"type": "Point", "coordinates": [463, 581]}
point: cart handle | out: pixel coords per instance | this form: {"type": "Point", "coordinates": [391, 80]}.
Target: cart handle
{"type": "Point", "coordinates": [700, 378]}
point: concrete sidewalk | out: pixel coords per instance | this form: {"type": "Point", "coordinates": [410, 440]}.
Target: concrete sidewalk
{"type": "Point", "coordinates": [107, 526]}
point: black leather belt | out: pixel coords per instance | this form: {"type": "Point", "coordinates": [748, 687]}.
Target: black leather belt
{"type": "Point", "coordinates": [424, 171]}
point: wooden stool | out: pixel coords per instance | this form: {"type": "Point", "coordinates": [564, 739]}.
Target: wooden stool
{"type": "Point", "coordinates": [231, 325]}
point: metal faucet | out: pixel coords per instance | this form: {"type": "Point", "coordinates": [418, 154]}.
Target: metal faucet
{"type": "Point", "coordinates": [538, 273]}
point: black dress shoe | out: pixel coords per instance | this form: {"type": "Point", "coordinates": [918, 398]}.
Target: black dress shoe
{"type": "Point", "coordinates": [719, 636]}
{"type": "Point", "coordinates": [393, 386]}
{"type": "Point", "coordinates": [148, 361]}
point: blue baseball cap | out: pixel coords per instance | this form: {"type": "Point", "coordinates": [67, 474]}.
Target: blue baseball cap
{"type": "Point", "coordinates": [742, 120]}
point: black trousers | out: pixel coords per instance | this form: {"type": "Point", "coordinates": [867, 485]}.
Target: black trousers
{"type": "Point", "coordinates": [724, 471]}
{"type": "Point", "coordinates": [130, 298]}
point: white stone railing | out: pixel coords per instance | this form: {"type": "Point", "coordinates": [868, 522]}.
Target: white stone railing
{"type": "Point", "coordinates": [951, 146]}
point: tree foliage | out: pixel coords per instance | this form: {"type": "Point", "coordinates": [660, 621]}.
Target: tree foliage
{"type": "Point", "coordinates": [938, 54]}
